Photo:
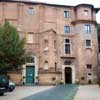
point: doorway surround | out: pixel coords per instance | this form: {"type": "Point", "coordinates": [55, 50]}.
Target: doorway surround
{"type": "Point", "coordinates": [73, 72]}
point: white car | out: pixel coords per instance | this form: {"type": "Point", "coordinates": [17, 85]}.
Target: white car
{"type": "Point", "coordinates": [11, 86]}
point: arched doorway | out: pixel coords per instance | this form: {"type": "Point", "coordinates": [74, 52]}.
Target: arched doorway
{"type": "Point", "coordinates": [68, 75]}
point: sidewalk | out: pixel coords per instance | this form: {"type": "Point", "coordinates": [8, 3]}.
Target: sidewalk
{"type": "Point", "coordinates": [88, 92]}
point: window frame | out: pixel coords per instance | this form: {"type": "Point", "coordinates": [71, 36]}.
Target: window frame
{"type": "Point", "coordinates": [46, 47]}
{"type": "Point", "coordinates": [88, 43]}
{"type": "Point", "coordinates": [66, 14]}
{"type": "Point", "coordinates": [29, 35]}
{"type": "Point", "coordinates": [46, 65]}
{"type": "Point", "coordinates": [66, 29]}
{"type": "Point", "coordinates": [89, 66]}
{"type": "Point", "coordinates": [87, 28]}
{"type": "Point", "coordinates": [86, 12]}
{"type": "Point", "coordinates": [68, 44]}
{"type": "Point", "coordinates": [30, 10]}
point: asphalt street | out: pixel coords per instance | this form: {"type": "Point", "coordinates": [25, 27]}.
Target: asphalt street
{"type": "Point", "coordinates": [60, 92]}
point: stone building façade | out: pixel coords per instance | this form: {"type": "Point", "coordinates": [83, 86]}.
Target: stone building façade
{"type": "Point", "coordinates": [61, 40]}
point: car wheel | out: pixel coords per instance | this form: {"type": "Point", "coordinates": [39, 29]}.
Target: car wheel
{"type": "Point", "coordinates": [11, 88]}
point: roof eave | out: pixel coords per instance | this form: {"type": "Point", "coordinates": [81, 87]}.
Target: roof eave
{"type": "Point", "coordinates": [96, 9]}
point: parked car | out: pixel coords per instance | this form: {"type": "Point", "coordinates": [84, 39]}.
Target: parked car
{"type": "Point", "coordinates": [4, 83]}
{"type": "Point", "coordinates": [11, 86]}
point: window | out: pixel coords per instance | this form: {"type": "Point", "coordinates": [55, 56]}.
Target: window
{"type": "Point", "coordinates": [66, 14]}
{"type": "Point", "coordinates": [85, 12]}
{"type": "Point", "coordinates": [30, 37]}
{"type": "Point", "coordinates": [66, 29]}
{"type": "Point", "coordinates": [30, 11]}
{"type": "Point", "coordinates": [67, 46]}
{"type": "Point", "coordinates": [88, 43]}
{"type": "Point", "coordinates": [46, 65]}
{"type": "Point", "coordinates": [89, 66]}
{"type": "Point", "coordinates": [45, 45]}
{"type": "Point", "coordinates": [87, 28]}
{"type": "Point", "coordinates": [67, 41]}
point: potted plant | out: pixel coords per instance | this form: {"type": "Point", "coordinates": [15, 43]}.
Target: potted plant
{"type": "Point", "coordinates": [61, 81]}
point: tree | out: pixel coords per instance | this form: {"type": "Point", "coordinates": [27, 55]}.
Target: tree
{"type": "Point", "coordinates": [12, 51]}
{"type": "Point", "coordinates": [98, 33]}
{"type": "Point", "coordinates": [98, 29]}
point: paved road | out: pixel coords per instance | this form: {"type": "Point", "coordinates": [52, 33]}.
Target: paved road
{"type": "Point", "coordinates": [61, 92]}
{"type": "Point", "coordinates": [23, 91]}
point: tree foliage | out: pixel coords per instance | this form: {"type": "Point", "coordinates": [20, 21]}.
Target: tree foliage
{"type": "Point", "coordinates": [12, 52]}
{"type": "Point", "coordinates": [98, 29]}
{"type": "Point", "coordinates": [98, 33]}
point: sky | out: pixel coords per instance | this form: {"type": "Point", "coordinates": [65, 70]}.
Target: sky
{"type": "Point", "coordinates": [96, 4]}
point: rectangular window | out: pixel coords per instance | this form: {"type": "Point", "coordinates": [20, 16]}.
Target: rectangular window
{"type": "Point", "coordinates": [89, 66]}
{"type": "Point", "coordinates": [66, 14]}
{"type": "Point", "coordinates": [87, 28]}
{"type": "Point", "coordinates": [31, 11]}
{"type": "Point", "coordinates": [45, 45]}
{"type": "Point", "coordinates": [88, 43]}
{"type": "Point", "coordinates": [67, 46]}
{"type": "Point", "coordinates": [30, 37]}
{"type": "Point", "coordinates": [46, 65]}
{"type": "Point", "coordinates": [67, 41]}
{"type": "Point", "coordinates": [85, 12]}
{"type": "Point", "coordinates": [66, 29]}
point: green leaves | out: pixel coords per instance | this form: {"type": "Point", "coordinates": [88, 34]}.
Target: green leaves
{"type": "Point", "coordinates": [98, 33]}
{"type": "Point", "coordinates": [98, 29]}
{"type": "Point", "coordinates": [12, 52]}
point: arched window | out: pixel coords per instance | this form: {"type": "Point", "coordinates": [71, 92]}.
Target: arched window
{"type": "Point", "coordinates": [30, 59]}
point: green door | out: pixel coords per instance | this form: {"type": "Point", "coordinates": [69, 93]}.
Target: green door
{"type": "Point", "coordinates": [30, 72]}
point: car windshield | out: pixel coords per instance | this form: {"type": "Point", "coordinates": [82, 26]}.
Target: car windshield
{"type": "Point", "coordinates": [3, 80]}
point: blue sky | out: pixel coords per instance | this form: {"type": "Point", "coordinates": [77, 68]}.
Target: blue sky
{"type": "Point", "coordinates": [96, 3]}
